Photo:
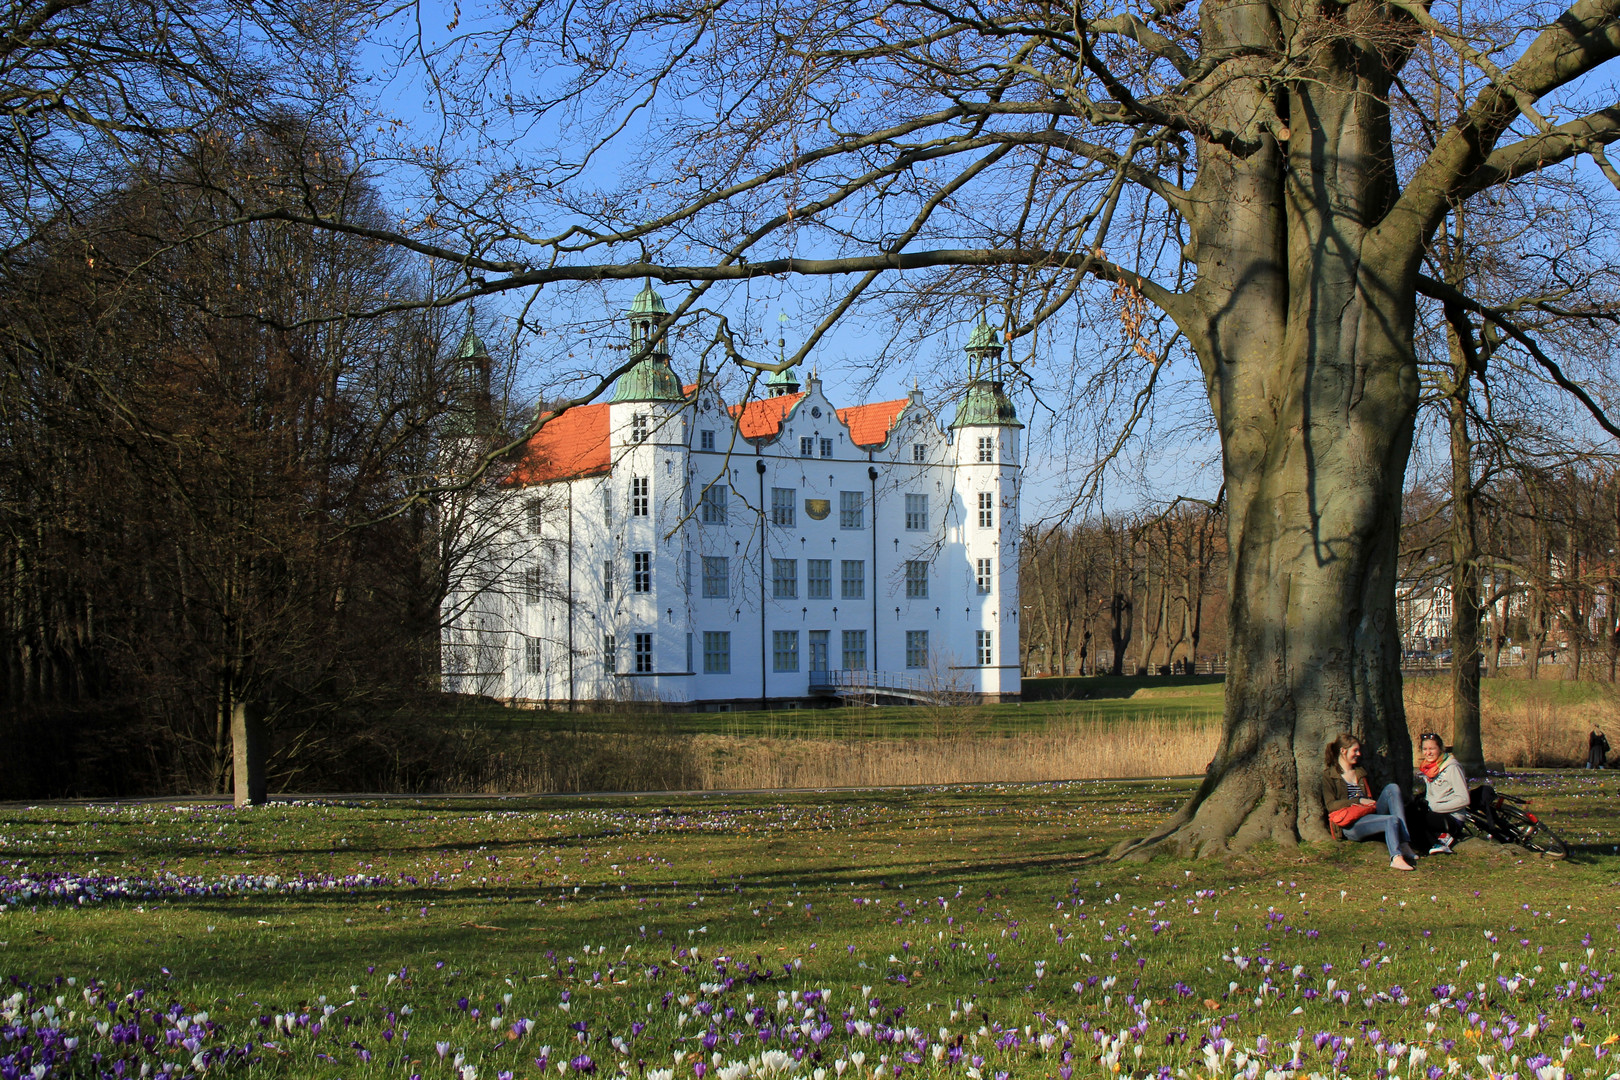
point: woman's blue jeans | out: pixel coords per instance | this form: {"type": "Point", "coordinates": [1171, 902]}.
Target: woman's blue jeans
{"type": "Point", "coordinates": [1388, 817]}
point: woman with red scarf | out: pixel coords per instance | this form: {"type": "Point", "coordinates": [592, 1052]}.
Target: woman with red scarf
{"type": "Point", "coordinates": [1445, 792]}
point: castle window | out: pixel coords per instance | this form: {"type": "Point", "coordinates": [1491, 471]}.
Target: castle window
{"type": "Point", "coordinates": [716, 579]}
{"type": "Point", "coordinates": [534, 582]}
{"type": "Point", "coordinates": [607, 504]}
{"type": "Point", "coordinates": [705, 440]}
{"type": "Point", "coordinates": [987, 448]}
{"type": "Point", "coordinates": [607, 579]}
{"type": "Point", "coordinates": [982, 575]}
{"type": "Point", "coordinates": [916, 580]}
{"type": "Point", "coordinates": [818, 579]}
{"type": "Point", "coordinates": [534, 657]}
{"type": "Point", "coordinates": [986, 647]}
{"type": "Point", "coordinates": [826, 448]}
{"type": "Point", "coordinates": [610, 654]}
{"type": "Point", "coordinates": [807, 446]}
{"type": "Point", "coordinates": [855, 650]}
{"type": "Point", "coordinates": [717, 652]}
{"type": "Point", "coordinates": [916, 649]}
{"type": "Point", "coordinates": [987, 509]}
{"type": "Point", "coordinates": [782, 505]}
{"type": "Point", "coordinates": [638, 427]}
{"type": "Point", "coordinates": [785, 579]}
{"type": "Point", "coordinates": [535, 512]}
{"type": "Point", "coordinates": [852, 580]}
{"type": "Point", "coordinates": [640, 486]}
{"type": "Point", "coordinates": [785, 650]}
{"type": "Point", "coordinates": [919, 453]}
{"type": "Point", "coordinates": [644, 654]}
{"type": "Point", "coordinates": [916, 512]}
{"type": "Point", "coordinates": [714, 505]}
{"type": "Point", "coordinates": [851, 510]}
{"type": "Point", "coordinates": [641, 572]}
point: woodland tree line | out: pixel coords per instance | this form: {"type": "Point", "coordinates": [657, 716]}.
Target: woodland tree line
{"type": "Point", "coordinates": [210, 494]}
{"type": "Point", "coordinates": [1144, 592]}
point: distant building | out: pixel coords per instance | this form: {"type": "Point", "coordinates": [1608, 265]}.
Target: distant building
{"type": "Point", "coordinates": [672, 546]}
{"type": "Point", "coordinates": [1423, 613]}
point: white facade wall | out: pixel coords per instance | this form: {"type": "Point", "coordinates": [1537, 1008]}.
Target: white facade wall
{"type": "Point", "coordinates": [536, 631]}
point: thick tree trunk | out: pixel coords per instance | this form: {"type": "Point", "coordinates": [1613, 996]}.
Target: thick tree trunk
{"type": "Point", "coordinates": [1310, 368]}
{"type": "Point", "coordinates": [1120, 630]}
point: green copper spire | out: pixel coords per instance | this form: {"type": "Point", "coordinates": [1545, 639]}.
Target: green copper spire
{"type": "Point", "coordinates": [648, 302]}
{"type": "Point", "coordinates": [984, 338]}
{"type": "Point", "coordinates": [783, 382]}
{"type": "Point", "coordinates": [651, 379]}
{"type": "Point", "coordinates": [472, 346]}
{"type": "Point", "coordinates": [986, 403]}
{"type": "Point", "coordinates": [471, 411]}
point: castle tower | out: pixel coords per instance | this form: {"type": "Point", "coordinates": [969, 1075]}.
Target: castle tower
{"type": "Point", "coordinates": [986, 455]}
{"type": "Point", "coordinates": [471, 408]}
{"type": "Point", "coordinates": [647, 487]}
{"type": "Point", "coordinates": [647, 398]}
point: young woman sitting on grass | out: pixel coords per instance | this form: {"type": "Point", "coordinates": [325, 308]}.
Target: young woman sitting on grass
{"type": "Point", "coordinates": [1352, 812]}
{"type": "Point", "coordinates": [1445, 791]}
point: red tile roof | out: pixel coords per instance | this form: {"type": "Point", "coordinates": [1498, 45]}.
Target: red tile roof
{"type": "Point", "coordinates": [569, 446]}
{"type": "Point", "coordinates": [576, 443]}
{"type": "Point", "coordinates": [869, 424]}
{"type": "Point", "coordinates": [762, 419]}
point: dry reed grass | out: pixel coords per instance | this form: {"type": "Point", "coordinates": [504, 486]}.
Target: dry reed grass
{"type": "Point", "coordinates": [1527, 724]}
{"type": "Point", "coordinates": [1064, 751]}
{"type": "Point", "coordinates": [1536, 730]}
{"type": "Point", "coordinates": [1065, 748]}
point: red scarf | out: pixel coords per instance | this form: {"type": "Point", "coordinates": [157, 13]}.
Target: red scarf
{"type": "Point", "coordinates": [1431, 771]}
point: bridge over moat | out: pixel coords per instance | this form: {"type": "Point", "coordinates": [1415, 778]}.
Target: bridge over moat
{"type": "Point", "coordinates": [922, 688]}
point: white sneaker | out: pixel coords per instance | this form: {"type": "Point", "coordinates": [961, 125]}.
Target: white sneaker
{"type": "Point", "coordinates": [1442, 845]}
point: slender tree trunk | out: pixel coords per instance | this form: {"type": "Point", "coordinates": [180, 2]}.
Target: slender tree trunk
{"type": "Point", "coordinates": [1577, 609]}
{"type": "Point", "coordinates": [1536, 617]}
{"type": "Point", "coordinates": [1465, 614]}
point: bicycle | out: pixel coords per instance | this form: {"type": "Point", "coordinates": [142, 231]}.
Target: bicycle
{"type": "Point", "coordinates": [1507, 821]}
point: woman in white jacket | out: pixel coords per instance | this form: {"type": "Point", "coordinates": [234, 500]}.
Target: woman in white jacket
{"type": "Point", "coordinates": [1445, 792]}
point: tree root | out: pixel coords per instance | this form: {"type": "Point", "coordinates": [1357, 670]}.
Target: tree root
{"type": "Point", "coordinates": [1223, 825]}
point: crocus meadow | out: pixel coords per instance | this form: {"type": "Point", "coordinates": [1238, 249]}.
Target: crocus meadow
{"type": "Point", "coordinates": [967, 932]}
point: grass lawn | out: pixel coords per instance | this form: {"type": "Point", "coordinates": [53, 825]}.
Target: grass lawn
{"type": "Point", "coordinates": [962, 931]}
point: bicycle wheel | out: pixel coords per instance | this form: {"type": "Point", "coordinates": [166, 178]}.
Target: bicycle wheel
{"type": "Point", "coordinates": [1542, 839]}
{"type": "Point", "coordinates": [1521, 827]}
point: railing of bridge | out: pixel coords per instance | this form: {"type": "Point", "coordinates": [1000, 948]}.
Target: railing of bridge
{"type": "Point", "coordinates": [855, 681]}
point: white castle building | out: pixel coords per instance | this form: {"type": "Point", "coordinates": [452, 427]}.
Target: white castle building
{"type": "Point", "coordinates": [667, 545]}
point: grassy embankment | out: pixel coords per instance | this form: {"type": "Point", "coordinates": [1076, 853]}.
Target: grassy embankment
{"type": "Point", "coordinates": [554, 937]}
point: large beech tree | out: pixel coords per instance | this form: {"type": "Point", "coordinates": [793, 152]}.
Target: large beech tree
{"type": "Point", "coordinates": [1230, 162]}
